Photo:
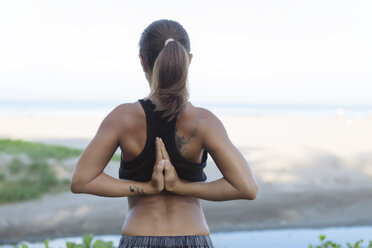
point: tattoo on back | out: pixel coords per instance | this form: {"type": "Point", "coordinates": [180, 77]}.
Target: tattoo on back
{"type": "Point", "coordinates": [182, 142]}
{"type": "Point", "coordinates": [137, 190]}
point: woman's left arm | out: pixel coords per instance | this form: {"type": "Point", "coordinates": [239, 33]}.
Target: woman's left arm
{"type": "Point", "coordinates": [88, 176]}
{"type": "Point", "coordinates": [218, 190]}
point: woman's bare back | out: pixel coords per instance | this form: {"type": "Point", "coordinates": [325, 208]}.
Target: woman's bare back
{"type": "Point", "coordinates": [165, 213]}
{"type": "Point", "coordinates": [151, 211]}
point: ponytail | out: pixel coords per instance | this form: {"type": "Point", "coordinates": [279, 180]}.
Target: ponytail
{"type": "Point", "coordinates": [169, 80]}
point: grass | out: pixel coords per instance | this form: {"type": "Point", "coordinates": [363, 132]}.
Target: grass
{"type": "Point", "coordinates": [40, 151]}
{"type": "Point", "coordinates": [37, 150]}
{"type": "Point", "coordinates": [330, 244]}
{"type": "Point", "coordinates": [36, 179]}
{"type": "Point", "coordinates": [24, 180]}
{"type": "Point", "coordinates": [15, 166]}
{"type": "Point", "coordinates": [87, 243]}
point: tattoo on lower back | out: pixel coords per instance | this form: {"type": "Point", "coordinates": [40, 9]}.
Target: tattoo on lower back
{"type": "Point", "coordinates": [182, 142]}
{"type": "Point", "coordinates": [137, 190]}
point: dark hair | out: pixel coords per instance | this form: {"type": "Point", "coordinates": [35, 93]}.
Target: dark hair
{"type": "Point", "coordinates": [167, 65]}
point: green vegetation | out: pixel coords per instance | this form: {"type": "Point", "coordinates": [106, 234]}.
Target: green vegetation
{"type": "Point", "coordinates": [329, 244]}
{"type": "Point", "coordinates": [37, 150]}
{"type": "Point", "coordinates": [15, 166]}
{"type": "Point", "coordinates": [37, 178]}
{"type": "Point", "coordinates": [31, 170]}
{"type": "Point", "coordinates": [87, 243]}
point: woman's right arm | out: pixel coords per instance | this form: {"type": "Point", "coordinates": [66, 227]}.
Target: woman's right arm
{"type": "Point", "coordinates": [237, 182]}
{"type": "Point", "coordinates": [89, 176]}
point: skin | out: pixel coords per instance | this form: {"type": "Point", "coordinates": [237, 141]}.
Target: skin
{"type": "Point", "coordinates": [166, 205]}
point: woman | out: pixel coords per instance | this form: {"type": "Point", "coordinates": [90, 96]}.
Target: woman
{"type": "Point", "coordinates": [164, 141]}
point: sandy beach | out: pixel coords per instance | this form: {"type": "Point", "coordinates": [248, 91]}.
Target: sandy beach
{"type": "Point", "coordinates": [312, 172]}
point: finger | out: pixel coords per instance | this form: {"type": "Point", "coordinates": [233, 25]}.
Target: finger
{"type": "Point", "coordinates": [164, 150]}
{"type": "Point", "coordinates": [160, 166]}
{"type": "Point", "coordinates": [158, 170]}
{"type": "Point", "coordinates": [167, 171]}
{"type": "Point", "coordinates": [169, 168]}
{"type": "Point", "coordinates": [158, 151]}
{"type": "Point", "coordinates": [170, 175]}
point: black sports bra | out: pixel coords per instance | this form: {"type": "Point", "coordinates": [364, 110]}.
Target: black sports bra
{"type": "Point", "coordinates": [141, 168]}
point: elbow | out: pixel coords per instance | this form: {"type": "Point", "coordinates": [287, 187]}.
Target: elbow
{"type": "Point", "coordinates": [250, 192]}
{"type": "Point", "coordinates": [251, 196]}
{"type": "Point", "coordinates": [76, 187]}
{"type": "Point", "coordinates": [78, 184]}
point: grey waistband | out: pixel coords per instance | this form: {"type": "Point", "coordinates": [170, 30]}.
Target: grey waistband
{"type": "Point", "coordinates": [191, 241]}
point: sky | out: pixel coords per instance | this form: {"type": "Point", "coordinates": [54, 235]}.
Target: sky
{"type": "Point", "coordinates": [265, 52]}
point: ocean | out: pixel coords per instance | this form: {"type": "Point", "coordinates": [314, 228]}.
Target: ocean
{"type": "Point", "coordinates": [9, 107]}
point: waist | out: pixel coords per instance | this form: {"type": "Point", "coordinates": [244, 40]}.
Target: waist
{"type": "Point", "coordinates": [164, 214]}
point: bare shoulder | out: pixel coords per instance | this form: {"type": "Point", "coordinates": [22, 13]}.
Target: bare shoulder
{"type": "Point", "coordinates": [123, 116]}
{"type": "Point", "coordinates": [211, 129]}
{"type": "Point", "coordinates": [210, 124]}
{"type": "Point", "coordinates": [126, 109]}
{"type": "Point", "coordinates": [207, 118]}
{"type": "Point", "coordinates": [200, 111]}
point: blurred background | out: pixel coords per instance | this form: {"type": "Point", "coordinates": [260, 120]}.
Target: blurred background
{"type": "Point", "coordinates": [290, 80]}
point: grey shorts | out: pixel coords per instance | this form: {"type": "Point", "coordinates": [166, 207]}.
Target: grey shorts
{"type": "Point", "coordinates": [192, 241]}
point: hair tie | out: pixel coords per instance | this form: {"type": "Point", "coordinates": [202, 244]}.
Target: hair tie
{"type": "Point", "coordinates": [167, 41]}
